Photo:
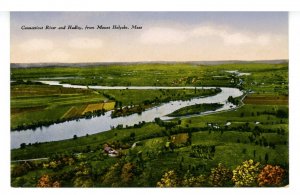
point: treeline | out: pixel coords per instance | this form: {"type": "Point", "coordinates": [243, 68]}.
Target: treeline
{"type": "Point", "coordinates": [195, 109]}
{"type": "Point", "coordinates": [26, 82]}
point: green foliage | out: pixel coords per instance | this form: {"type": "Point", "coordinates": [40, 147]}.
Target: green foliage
{"type": "Point", "coordinates": [282, 113]}
{"type": "Point", "coordinates": [83, 177]}
{"type": "Point", "coordinates": [203, 151]}
{"type": "Point", "coordinates": [111, 178]}
{"type": "Point", "coordinates": [232, 100]}
{"type": "Point", "coordinates": [195, 109]}
{"type": "Point", "coordinates": [246, 174]}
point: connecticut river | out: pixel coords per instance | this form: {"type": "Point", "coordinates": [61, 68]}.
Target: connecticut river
{"type": "Point", "coordinates": [81, 127]}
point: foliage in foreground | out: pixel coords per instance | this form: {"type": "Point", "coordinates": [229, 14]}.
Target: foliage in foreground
{"type": "Point", "coordinates": [220, 176]}
{"type": "Point", "coordinates": [246, 174]}
{"type": "Point", "coordinates": [271, 176]}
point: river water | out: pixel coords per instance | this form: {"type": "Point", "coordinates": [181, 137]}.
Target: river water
{"type": "Point", "coordinates": [81, 127]}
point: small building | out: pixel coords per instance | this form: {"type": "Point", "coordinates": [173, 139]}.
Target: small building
{"type": "Point", "coordinates": [110, 151]}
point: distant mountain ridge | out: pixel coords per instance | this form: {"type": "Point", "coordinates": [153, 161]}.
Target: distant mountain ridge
{"type": "Point", "coordinates": [83, 64]}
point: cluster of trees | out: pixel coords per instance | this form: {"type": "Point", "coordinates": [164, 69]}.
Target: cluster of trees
{"type": "Point", "coordinates": [125, 111]}
{"type": "Point", "coordinates": [23, 168]}
{"type": "Point", "coordinates": [234, 101]}
{"type": "Point", "coordinates": [203, 151]}
{"type": "Point", "coordinates": [280, 113]}
{"type": "Point", "coordinates": [138, 125]}
{"type": "Point", "coordinates": [248, 174]}
{"type": "Point", "coordinates": [167, 124]}
{"type": "Point", "coordinates": [26, 82]}
{"type": "Point", "coordinates": [132, 170]}
{"type": "Point", "coordinates": [94, 113]}
{"type": "Point", "coordinates": [196, 109]}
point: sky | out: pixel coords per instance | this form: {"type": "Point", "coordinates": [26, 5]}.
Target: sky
{"type": "Point", "coordinates": [165, 36]}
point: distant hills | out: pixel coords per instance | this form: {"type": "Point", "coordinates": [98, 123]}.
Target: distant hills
{"type": "Point", "coordinates": [82, 64]}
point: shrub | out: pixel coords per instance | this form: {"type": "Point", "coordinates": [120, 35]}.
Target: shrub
{"type": "Point", "coordinates": [169, 179]}
{"type": "Point", "coordinates": [220, 176]}
{"type": "Point", "coordinates": [127, 173]}
{"type": "Point", "coordinates": [193, 181]}
{"type": "Point", "coordinates": [246, 174]}
{"type": "Point", "coordinates": [271, 176]}
{"type": "Point", "coordinates": [20, 169]}
{"type": "Point", "coordinates": [46, 181]}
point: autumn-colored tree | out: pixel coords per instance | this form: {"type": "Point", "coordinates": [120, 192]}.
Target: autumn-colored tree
{"type": "Point", "coordinates": [169, 179]}
{"type": "Point", "coordinates": [246, 174]}
{"type": "Point", "coordinates": [220, 176]}
{"type": "Point", "coordinates": [56, 184]}
{"type": "Point", "coordinates": [46, 181]}
{"type": "Point", "coordinates": [271, 176]}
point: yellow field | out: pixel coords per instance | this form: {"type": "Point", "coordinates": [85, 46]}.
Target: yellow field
{"type": "Point", "coordinates": [74, 111]}
{"type": "Point", "coordinates": [109, 105]}
{"type": "Point", "coordinates": [93, 107]}
{"type": "Point", "coordinates": [99, 106]}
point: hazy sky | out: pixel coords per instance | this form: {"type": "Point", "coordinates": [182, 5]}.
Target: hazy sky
{"type": "Point", "coordinates": [165, 36]}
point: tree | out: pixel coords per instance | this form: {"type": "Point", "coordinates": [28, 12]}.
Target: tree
{"type": "Point", "coordinates": [21, 169]}
{"type": "Point", "coordinates": [266, 157]}
{"type": "Point", "coordinates": [83, 176]}
{"type": "Point", "coordinates": [132, 136]}
{"type": "Point", "coordinates": [271, 176]}
{"type": "Point", "coordinates": [127, 174]}
{"type": "Point", "coordinates": [220, 176]}
{"type": "Point", "coordinates": [169, 179]}
{"type": "Point", "coordinates": [282, 114]}
{"type": "Point", "coordinates": [46, 181]}
{"type": "Point", "coordinates": [193, 181]}
{"type": "Point", "coordinates": [22, 145]}
{"type": "Point", "coordinates": [246, 174]}
{"type": "Point", "coordinates": [111, 177]}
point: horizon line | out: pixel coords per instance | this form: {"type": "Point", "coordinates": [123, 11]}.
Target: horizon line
{"type": "Point", "coordinates": [151, 61]}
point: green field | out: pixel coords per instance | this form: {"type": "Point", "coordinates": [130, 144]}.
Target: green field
{"type": "Point", "coordinates": [182, 152]}
{"type": "Point", "coordinates": [195, 109]}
